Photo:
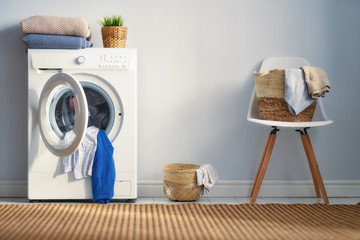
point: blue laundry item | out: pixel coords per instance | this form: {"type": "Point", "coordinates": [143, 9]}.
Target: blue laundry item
{"type": "Point", "coordinates": [296, 91]}
{"type": "Point", "coordinates": [103, 172]}
{"type": "Point", "coordinates": [46, 41]}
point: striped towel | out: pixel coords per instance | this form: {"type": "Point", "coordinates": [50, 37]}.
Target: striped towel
{"type": "Point", "coordinates": [44, 41]}
{"type": "Point", "coordinates": [56, 25]}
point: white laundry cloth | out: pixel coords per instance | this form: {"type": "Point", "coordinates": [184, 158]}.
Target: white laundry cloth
{"type": "Point", "coordinates": [81, 161]}
{"type": "Point", "coordinates": [296, 91]}
{"type": "Point", "coordinates": [207, 175]}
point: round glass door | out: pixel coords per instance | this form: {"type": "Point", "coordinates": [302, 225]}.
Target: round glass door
{"type": "Point", "coordinates": [63, 114]}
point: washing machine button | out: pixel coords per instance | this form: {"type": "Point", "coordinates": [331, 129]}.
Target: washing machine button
{"type": "Point", "coordinates": [80, 60]}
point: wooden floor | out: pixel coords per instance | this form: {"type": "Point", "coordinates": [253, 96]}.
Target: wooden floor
{"type": "Point", "coordinates": [205, 200]}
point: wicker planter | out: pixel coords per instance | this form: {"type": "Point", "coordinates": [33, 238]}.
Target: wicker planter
{"type": "Point", "coordinates": [114, 37]}
{"type": "Point", "coordinates": [180, 182]}
{"type": "Point", "coordinates": [270, 91]}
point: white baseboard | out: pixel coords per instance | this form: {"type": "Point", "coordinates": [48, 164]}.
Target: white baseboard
{"type": "Point", "coordinates": [13, 188]}
{"type": "Point", "coordinates": [269, 188]}
{"type": "Point", "coordinates": [225, 188]}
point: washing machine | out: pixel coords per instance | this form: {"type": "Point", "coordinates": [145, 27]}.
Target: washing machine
{"type": "Point", "coordinates": [70, 90]}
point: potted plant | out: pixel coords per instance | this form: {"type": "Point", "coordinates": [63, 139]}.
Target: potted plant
{"type": "Point", "coordinates": [113, 32]}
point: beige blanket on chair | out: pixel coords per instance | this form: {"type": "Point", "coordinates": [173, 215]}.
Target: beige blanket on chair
{"type": "Point", "coordinates": [317, 81]}
{"type": "Point", "coordinates": [56, 26]}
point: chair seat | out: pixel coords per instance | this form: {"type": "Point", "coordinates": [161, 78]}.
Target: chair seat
{"type": "Point", "coordinates": [291, 124]}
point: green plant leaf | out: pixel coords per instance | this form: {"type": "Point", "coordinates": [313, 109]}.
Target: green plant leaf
{"type": "Point", "coordinates": [115, 20]}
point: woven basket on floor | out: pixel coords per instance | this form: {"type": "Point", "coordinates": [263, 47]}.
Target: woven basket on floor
{"type": "Point", "coordinates": [114, 36]}
{"type": "Point", "coordinates": [270, 91]}
{"type": "Point", "coordinates": [180, 182]}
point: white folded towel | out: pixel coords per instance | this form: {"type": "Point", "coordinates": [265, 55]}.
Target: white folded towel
{"type": "Point", "coordinates": [207, 176]}
{"type": "Point", "coordinates": [296, 91]}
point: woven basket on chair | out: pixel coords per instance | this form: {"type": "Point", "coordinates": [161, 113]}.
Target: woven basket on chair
{"type": "Point", "coordinates": [114, 36]}
{"type": "Point", "coordinates": [180, 182]}
{"type": "Point", "coordinates": [270, 91]}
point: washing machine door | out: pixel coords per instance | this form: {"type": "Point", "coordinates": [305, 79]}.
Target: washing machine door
{"type": "Point", "coordinates": [63, 114]}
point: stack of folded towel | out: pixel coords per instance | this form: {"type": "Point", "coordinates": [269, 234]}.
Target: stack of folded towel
{"type": "Point", "coordinates": [50, 32]}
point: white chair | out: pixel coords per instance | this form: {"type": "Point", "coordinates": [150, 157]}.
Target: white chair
{"type": "Point", "coordinates": [319, 119]}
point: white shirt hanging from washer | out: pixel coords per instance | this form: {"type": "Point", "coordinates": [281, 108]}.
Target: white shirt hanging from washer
{"type": "Point", "coordinates": [81, 161]}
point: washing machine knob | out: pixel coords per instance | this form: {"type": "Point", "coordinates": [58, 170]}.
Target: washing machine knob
{"type": "Point", "coordinates": [80, 60]}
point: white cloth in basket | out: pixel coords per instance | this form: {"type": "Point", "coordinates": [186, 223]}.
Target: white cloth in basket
{"type": "Point", "coordinates": [207, 176]}
{"type": "Point", "coordinates": [296, 91]}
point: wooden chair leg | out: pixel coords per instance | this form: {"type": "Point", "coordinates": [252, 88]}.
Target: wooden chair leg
{"type": "Point", "coordinates": [261, 162]}
{"type": "Point", "coordinates": [263, 165]}
{"type": "Point", "coordinates": [316, 168]}
{"type": "Point", "coordinates": [313, 175]}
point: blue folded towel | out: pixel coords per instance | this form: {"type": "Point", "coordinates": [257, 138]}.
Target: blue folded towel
{"type": "Point", "coordinates": [103, 172]}
{"type": "Point", "coordinates": [45, 41]}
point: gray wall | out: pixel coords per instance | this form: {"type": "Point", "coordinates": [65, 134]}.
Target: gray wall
{"type": "Point", "coordinates": [195, 63]}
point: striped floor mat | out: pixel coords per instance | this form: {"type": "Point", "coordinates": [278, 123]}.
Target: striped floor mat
{"type": "Point", "coordinates": [180, 221]}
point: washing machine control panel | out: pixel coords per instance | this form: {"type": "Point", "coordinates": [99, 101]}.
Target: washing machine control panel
{"type": "Point", "coordinates": [118, 61]}
{"type": "Point", "coordinates": [102, 59]}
